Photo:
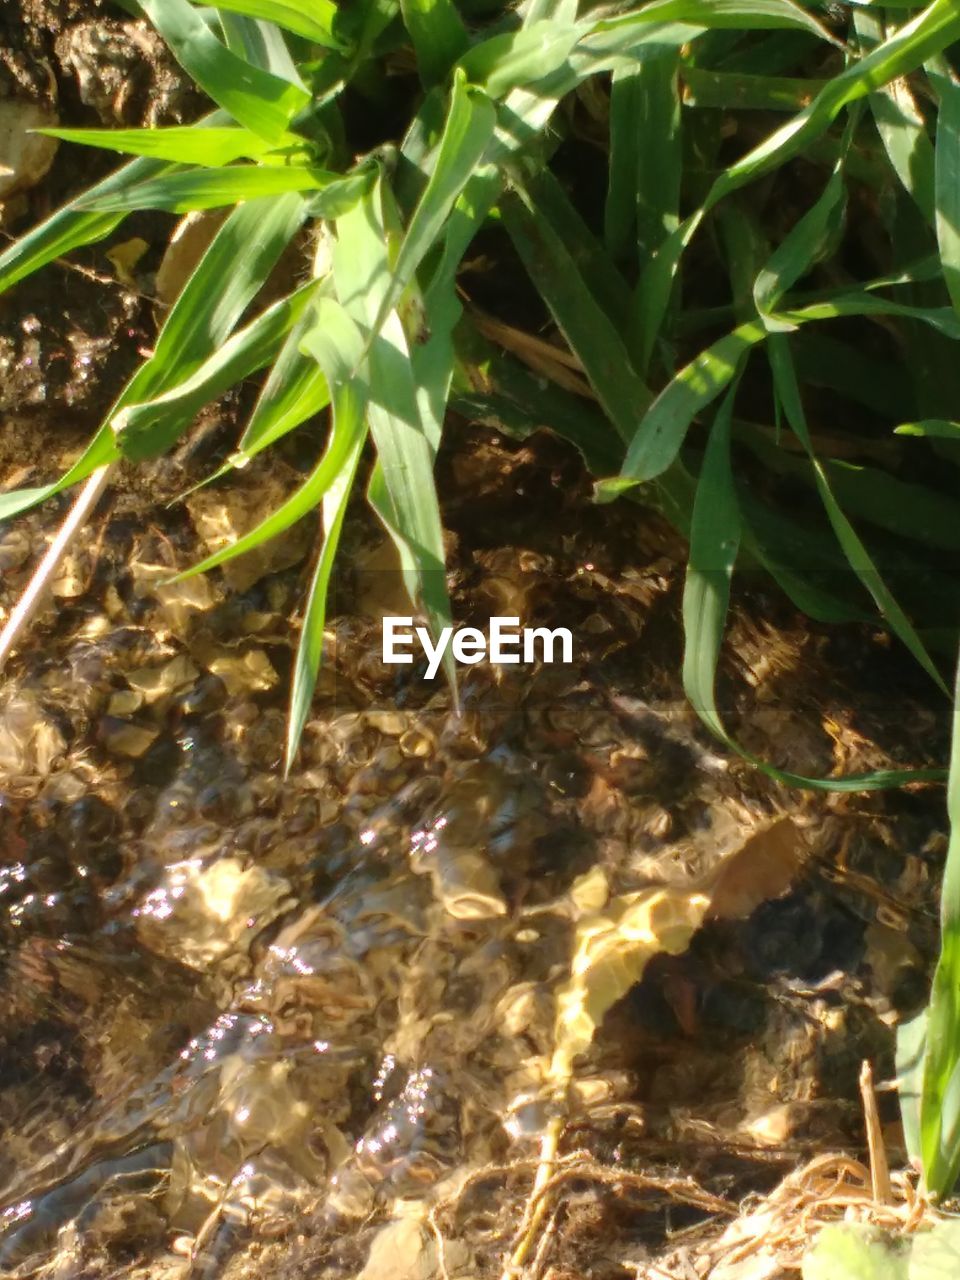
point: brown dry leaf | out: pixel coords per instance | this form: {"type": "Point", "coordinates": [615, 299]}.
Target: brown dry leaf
{"type": "Point", "coordinates": [190, 240]}
{"type": "Point", "coordinates": [24, 156]}
{"type": "Point", "coordinates": [763, 868]}
{"type": "Point", "coordinates": [124, 257]}
{"type": "Point", "coordinates": [611, 951]}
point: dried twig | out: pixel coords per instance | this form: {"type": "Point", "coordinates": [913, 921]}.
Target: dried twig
{"type": "Point", "coordinates": [879, 1165]}
{"type": "Point", "coordinates": [32, 596]}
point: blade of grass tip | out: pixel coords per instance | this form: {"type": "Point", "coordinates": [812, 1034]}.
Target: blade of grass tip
{"type": "Point", "coordinates": [335, 342]}
{"type": "Point", "coordinates": [662, 430]}
{"type": "Point", "coordinates": [948, 179]}
{"type": "Point", "coordinates": [714, 546]}
{"type": "Point", "coordinates": [177, 144]}
{"type": "Point", "coordinates": [936, 428]}
{"type": "Point", "coordinates": [310, 648]}
{"type": "Point", "coordinates": [900, 123]}
{"type": "Point", "coordinates": [257, 99]}
{"type": "Point", "coordinates": [313, 21]}
{"type": "Point", "coordinates": [939, 1109]}
{"type": "Point", "coordinates": [657, 439]}
{"type": "Point", "coordinates": [788, 392]}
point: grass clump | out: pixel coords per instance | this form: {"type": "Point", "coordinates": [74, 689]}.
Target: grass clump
{"type": "Point", "coordinates": [755, 296]}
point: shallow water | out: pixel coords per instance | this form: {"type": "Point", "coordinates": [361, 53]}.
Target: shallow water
{"type": "Point", "coordinates": [235, 1008]}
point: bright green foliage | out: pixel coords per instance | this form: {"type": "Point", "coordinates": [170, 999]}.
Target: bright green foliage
{"type": "Point", "coordinates": [498, 97]}
{"type": "Point", "coordinates": [775, 230]}
{"type": "Point", "coordinates": [853, 1251]}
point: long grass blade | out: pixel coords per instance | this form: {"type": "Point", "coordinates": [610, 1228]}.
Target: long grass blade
{"type": "Point", "coordinates": [643, 193]}
{"type": "Point", "coordinates": [438, 34]}
{"type": "Point", "coordinates": [466, 136]}
{"type": "Point", "coordinates": [211, 189]}
{"type": "Point", "coordinates": [402, 488]}
{"type": "Point", "coordinates": [147, 430]}
{"type": "Point", "coordinates": [177, 144]}
{"type": "Point", "coordinates": [312, 19]}
{"type": "Point", "coordinates": [716, 533]}
{"type": "Point", "coordinates": [857, 556]}
{"type": "Point", "coordinates": [336, 343]}
{"type": "Point", "coordinates": [947, 182]}
{"type": "Point", "coordinates": [940, 1101]}
{"type": "Point", "coordinates": [231, 272]}
{"type": "Point", "coordinates": [260, 101]}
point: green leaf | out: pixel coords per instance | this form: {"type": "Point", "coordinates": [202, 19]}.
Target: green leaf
{"type": "Point", "coordinates": [261, 102]}
{"type": "Point", "coordinates": [661, 431]}
{"type": "Point", "coordinates": [740, 91]}
{"type": "Point", "coordinates": [402, 488]}
{"type": "Point", "coordinates": [148, 429]}
{"type": "Point", "coordinates": [855, 1251]}
{"type": "Point", "coordinates": [645, 155]}
{"type": "Point", "coordinates": [715, 538]}
{"type": "Point", "coordinates": [900, 124]}
{"type": "Point", "coordinates": [295, 390]}
{"type": "Point", "coordinates": [210, 189]}
{"type": "Point", "coordinates": [180, 144]}
{"type": "Point", "coordinates": [336, 343]}
{"type": "Point", "coordinates": [855, 552]}
{"type": "Point", "coordinates": [808, 242]}
{"type": "Point", "coordinates": [69, 228]}
{"type": "Point", "coordinates": [312, 19]}
{"type": "Point", "coordinates": [948, 183]}
{"type": "Point", "coordinates": [515, 59]}
{"type": "Point", "coordinates": [438, 34]}
{"type": "Point", "coordinates": [939, 1109]}
{"type": "Point", "coordinates": [917, 41]}
{"type": "Point", "coordinates": [714, 546]}
{"type": "Point", "coordinates": [936, 428]}
{"type": "Point", "coordinates": [911, 1049]}
{"type": "Point", "coordinates": [241, 256]}
{"type": "Point", "coordinates": [466, 135]}
{"type": "Point", "coordinates": [591, 334]}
